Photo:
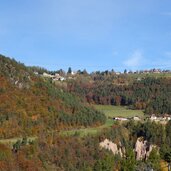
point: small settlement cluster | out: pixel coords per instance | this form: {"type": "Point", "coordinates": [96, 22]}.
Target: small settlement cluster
{"type": "Point", "coordinates": [162, 118]}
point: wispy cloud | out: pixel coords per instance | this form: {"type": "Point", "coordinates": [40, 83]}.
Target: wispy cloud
{"type": "Point", "coordinates": [135, 60]}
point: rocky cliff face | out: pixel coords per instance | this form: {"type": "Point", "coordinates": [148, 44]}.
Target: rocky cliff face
{"type": "Point", "coordinates": [143, 149]}
{"type": "Point", "coordinates": [109, 145]}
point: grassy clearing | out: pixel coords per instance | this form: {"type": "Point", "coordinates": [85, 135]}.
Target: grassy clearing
{"type": "Point", "coordinates": [80, 132]}
{"type": "Point", "coordinates": [109, 111]}
{"type": "Point", "coordinates": [116, 111]}
{"type": "Point", "coordinates": [87, 131]}
{"type": "Point", "coordinates": [12, 141]}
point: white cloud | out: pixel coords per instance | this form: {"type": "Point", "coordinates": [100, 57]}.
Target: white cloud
{"type": "Point", "coordinates": [135, 60]}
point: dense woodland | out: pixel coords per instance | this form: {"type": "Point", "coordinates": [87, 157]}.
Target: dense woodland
{"type": "Point", "coordinates": [34, 106]}
{"type": "Point", "coordinates": [148, 93]}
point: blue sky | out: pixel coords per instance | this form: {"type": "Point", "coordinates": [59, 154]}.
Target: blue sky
{"type": "Point", "coordinates": [91, 34]}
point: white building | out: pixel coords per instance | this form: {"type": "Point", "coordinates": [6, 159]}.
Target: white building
{"type": "Point", "coordinates": [153, 117]}
{"type": "Point", "coordinates": [47, 75]}
{"type": "Point", "coordinates": [120, 119]}
{"type": "Point", "coordinates": [136, 118]}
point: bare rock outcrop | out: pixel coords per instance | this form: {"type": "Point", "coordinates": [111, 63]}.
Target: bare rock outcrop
{"type": "Point", "coordinates": [109, 145]}
{"type": "Point", "coordinates": [143, 149]}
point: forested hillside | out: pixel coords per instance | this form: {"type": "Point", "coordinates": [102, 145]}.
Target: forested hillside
{"type": "Point", "coordinates": [153, 94]}
{"type": "Point", "coordinates": [84, 154]}
{"type": "Point", "coordinates": [30, 104]}
{"type": "Point", "coordinates": [34, 111]}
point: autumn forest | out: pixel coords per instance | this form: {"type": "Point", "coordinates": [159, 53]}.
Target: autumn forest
{"type": "Point", "coordinates": [35, 108]}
